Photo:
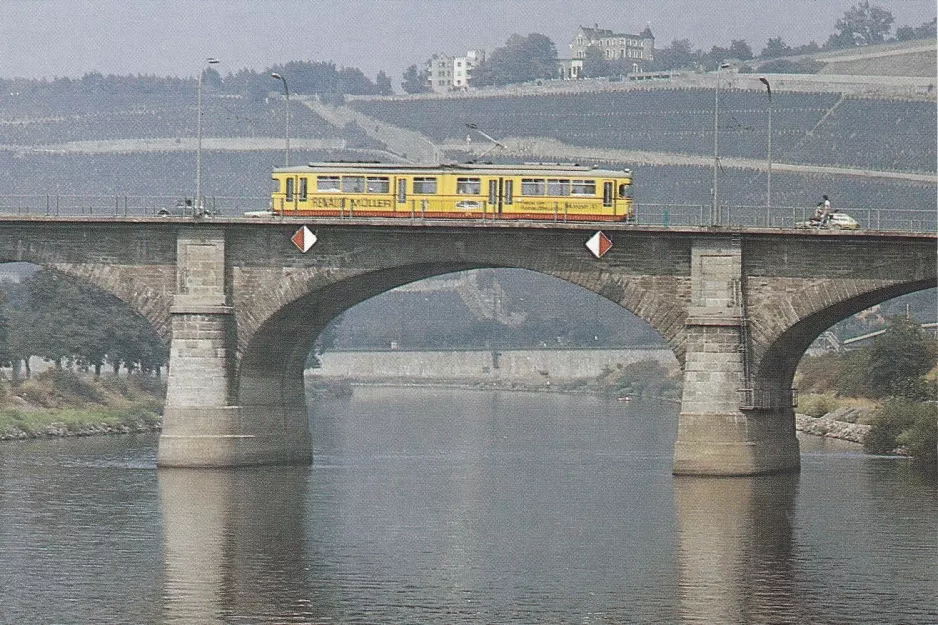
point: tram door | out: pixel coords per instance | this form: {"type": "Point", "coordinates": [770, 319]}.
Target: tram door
{"type": "Point", "coordinates": [495, 196]}
{"type": "Point", "coordinates": [401, 194]}
{"type": "Point", "coordinates": [609, 188]}
{"type": "Point", "coordinates": [290, 194]}
{"type": "Point", "coordinates": [500, 194]}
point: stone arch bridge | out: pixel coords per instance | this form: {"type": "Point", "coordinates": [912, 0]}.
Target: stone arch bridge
{"type": "Point", "coordinates": [241, 306]}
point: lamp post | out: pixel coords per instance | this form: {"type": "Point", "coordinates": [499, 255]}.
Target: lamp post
{"type": "Point", "coordinates": [286, 93]}
{"type": "Point", "coordinates": [198, 158]}
{"type": "Point", "coordinates": [768, 181]}
{"type": "Point", "coordinates": [715, 208]}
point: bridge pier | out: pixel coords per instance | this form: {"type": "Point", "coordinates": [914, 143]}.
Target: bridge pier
{"type": "Point", "coordinates": [204, 424]}
{"type": "Point", "coordinates": [725, 426]}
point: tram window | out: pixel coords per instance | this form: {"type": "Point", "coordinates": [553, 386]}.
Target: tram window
{"type": "Point", "coordinates": [304, 189]}
{"type": "Point", "coordinates": [625, 190]}
{"type": "Point", "coordinates": [290, 186]}
{"type": "Point", "coordinates": [493, 192]}
{"type": "Point", "coordinates": [327, 183]}
{"type": "Point", "coordinates": [424, 186]}
{"type": "Point", "coordinates": [401, 190]}
{"type": "Point", "coordinates": [468, 186]}
{"type": "Point", "coordinates": [353, 184]}
{"type": "Point", "coordinates": [583, 187]}
{"type": "Point", "coordinates": [509, 191]}
{"type": "Point", "coordinates": [607, 194]}
{"type": "Point", "coordinates": [532, 186]}
{"type": "Point", "coordinates": [557, 187]}
{"type": "Point", "coordinates": [378, 184]}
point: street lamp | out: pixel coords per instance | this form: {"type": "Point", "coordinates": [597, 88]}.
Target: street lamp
{"type": "Point", "coordinates": [198, 158]}
{"type": "Point", "coordinates": [714, 210]}
{"type": "Point", "coordinates": [286, 93]}
{"type": "Point", "coordinates": [768, 182]}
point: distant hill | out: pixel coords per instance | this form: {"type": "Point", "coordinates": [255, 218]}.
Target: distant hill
{"type": "Point", "coordinates": [867, 139]}
{"type": "Point", "coordinates": [918, 58]}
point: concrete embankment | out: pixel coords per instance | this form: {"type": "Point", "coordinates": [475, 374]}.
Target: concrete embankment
{"type": "Point", "coordinates": [522, 366]}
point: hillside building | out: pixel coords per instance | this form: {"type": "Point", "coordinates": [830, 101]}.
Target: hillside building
{"type": "Point", "coordinates": [629, 53]}
{"type": "Point", "coordinates": [452, 73]}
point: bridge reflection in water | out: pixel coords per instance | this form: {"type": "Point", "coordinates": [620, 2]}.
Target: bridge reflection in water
{"type": "Point", "coordinates": [234, 542]}
{"type": "Point", "coordinates": [735, 548]}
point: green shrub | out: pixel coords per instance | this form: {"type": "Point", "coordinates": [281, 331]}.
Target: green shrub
{"type": "Point", "coordinates": [817, 405]}
{"type": "Point", "coordinates": [71, 387]}
{"type": "Point", "coordinates": [646, 377]}
{"type": "Point", "coordinates": [902, 423]}
{"type": "Point", "coordinates": [921, 438]}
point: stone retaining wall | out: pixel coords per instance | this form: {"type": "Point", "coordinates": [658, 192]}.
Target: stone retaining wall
{"type": "Point", "coordinates": [529, 366]}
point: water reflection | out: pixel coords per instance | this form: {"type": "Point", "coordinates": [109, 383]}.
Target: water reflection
{"type": "Point", "coordinates": [463, 507]}
{"type": "Point", "coordinates": [735, 549]}
{"type": "Point", "coordinates": [234, 543]}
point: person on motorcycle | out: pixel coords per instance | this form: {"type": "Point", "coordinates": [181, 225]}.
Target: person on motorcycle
{"type": "Point", "coordinates": [818, 214]}
{"type": "Point", "coordinates": [826, 211]}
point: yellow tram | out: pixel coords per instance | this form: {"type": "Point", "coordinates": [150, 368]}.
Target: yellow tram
{"type": "Point", "coordinates": [555, 192]}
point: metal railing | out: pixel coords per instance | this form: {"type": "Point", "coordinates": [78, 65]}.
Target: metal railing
{"type": "Point", "coordinates": [126, 206]}
{"type": "Point", "coordinates": [661, 215]}
{"type": "Point", "coordinates": [782, 217]}
{"type": "Point", "coordinates": [766, 399]}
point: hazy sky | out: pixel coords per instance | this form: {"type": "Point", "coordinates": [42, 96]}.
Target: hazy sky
{"type": "Point", "coordinates": [49, 38]}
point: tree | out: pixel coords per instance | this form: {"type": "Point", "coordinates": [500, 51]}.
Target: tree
{"type": "Point", "coordinates": [415, 81]}
{"type": "Point", "coordinates": [899, 358]}
{"type": "Point", "coordinates": [7, 353]}
{"type": "Point", "coordinates": [61, 318]}
{"type": "Point", "coordinates": [383, 84]}
{"type": "Point", "coordinates": [775, 48]}
{"type": "Point", "coordinates": [522, 59]}
{"type": "Point", "coordinates": [595, 63]}
{"type": "Point", "coordinates": [861, 25]}
{"type": "Point", "coordinates": [925, 31]}
{"type": "Point", "coordinates": [715, 57]}
{"type": "Point", "coordinates": [901, 423]}
{"type": "Point", "coordinates": [905, 33]}
{"type": "Point", "coordinates": [739, 49]}
{"type": "Point", "coordinates": [679, 54]}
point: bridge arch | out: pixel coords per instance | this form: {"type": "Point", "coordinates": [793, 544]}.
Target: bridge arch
{"type": "Point", "coordinates": [737, 309]}
{"type": "Point", "coordinates": [778, 358]}
{"type": "Point", "coordinates": [133, 262]}
{"type": "Point", "coordinates": [274, 355]}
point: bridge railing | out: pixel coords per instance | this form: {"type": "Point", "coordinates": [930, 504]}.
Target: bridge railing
{"type": "Point", "coordinates": [646, 214]}
{"type": "Point", "coordinates": [126, 205]}
{"type": "Point", "coordinates": [784, 217]}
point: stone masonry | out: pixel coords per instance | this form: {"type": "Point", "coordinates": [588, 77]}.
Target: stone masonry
{"type": "Point", "coordinates": [242, 307]}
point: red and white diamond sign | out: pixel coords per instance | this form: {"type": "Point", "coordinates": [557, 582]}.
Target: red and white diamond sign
{"type": "Point", "coordinates": [599, 244]}
{"type": "Point", "coordinates": [304, 239]}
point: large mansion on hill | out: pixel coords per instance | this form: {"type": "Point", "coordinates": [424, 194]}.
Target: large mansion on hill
{"type": "Point", "coordinates": [633, 52]}
{"type": "Point", "coordinates": [629, 52]}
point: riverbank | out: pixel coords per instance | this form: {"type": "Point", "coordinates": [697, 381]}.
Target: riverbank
{"type": "Point", "coordinates": [41, 408]}
{"type": "Point", "coordinates": [61, 403]}
{"type": "Point", "coordinates": [16, 425]}
{"type": "Point", "coordinates": [829, 426]}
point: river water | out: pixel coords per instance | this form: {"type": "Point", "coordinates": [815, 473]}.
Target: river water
{"type": "Point", "coordinates": [457, 506]}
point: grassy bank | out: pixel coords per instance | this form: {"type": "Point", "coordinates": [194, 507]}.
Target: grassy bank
{"type": "Point", "coordinates": [903, 420]}
{"type": "Point", "coordinates": [61, 402]}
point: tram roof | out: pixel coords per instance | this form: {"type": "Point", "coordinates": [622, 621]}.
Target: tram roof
{"type": "Point", "coordinates": [542, 169]}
